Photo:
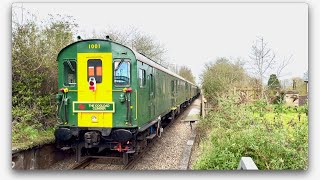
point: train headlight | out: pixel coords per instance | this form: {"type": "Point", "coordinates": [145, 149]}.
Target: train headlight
{"type": "Point", "coordinates": [92, 84]}
{"type": "Point", "coordinates": [94, 119]}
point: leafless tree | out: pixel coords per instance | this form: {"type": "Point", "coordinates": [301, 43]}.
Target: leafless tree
{"type": "Point", "coordinates": [139, 41]}
{"type": "Point", "coordinates": [263, 61]}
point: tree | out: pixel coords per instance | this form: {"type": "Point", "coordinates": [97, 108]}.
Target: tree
{"type": "Point", "coordinates": [35, 47]}
{"type": "Point", "coordinates": [300, 86]}
{"type": "Point", "coordinates": [220, 77]}
{"type": "Point", "coordinates": [273, 82]}
{"type": "Point", "coordinates": [139, 41]}
{"type": "Point", "coordinates": [274, 88]}
{"type": "Point", "coordinates": [262, 60]}
{"type": "Point", "coordinates": [186, 73]}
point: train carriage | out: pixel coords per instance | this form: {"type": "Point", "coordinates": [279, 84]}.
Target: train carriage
{"type": "Point", "coordinates": [111, 97]}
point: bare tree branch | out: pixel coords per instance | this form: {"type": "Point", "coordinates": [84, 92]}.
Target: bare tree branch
{"type": "Point", "coordinates": [283, 64]}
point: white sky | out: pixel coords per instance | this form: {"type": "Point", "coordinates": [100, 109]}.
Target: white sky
{"type": "Point", "coordinates": [196, 33]}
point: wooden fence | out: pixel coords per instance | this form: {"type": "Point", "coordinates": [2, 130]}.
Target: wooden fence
{"type": "Point", "coordinates": [205, 106]}
{"type": "Point", "coordinates": [248, 94]}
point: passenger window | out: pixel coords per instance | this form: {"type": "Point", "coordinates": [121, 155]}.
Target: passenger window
{"type": "Point", "coordinates": [95, 69]}
{"type": "Point", "coordinates": [70, 73]}
{"type": "Point", "coordinates": [122, 72]}
{"type": "Point", "coordinates": [142, 77]}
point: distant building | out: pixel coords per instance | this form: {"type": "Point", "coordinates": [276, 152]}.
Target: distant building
{"type": "Point", "coordinates": [291, 98]}
{"type": "Point", "coordinates": [304, 99]}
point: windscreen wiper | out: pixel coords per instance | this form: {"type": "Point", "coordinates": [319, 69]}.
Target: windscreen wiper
{"type": "Point", "coordinates": [71, 67]}
{"type": "Point", "coordinates": [119, 65]}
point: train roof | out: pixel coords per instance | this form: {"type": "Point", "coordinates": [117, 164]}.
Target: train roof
{"type": "Point", "coordinates": [139, 57]}
{"type": "Point", "coordinates": [152, 63]}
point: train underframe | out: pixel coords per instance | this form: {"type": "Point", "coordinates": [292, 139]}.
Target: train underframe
{"type": "Point", "coordinates": [94, 142]}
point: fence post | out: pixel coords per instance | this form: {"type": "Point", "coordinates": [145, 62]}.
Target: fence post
{"type": "Point", "coordinates": [246, 163]}
{"type": "Point", "coordinates": [202, 106]}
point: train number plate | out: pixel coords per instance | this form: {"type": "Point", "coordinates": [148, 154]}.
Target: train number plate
{"type": "Point", "coordinates": [93, 106]}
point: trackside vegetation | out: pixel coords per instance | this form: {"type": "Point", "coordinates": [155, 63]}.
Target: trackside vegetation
{"type": "Point", "coordinates": [34, 78]}
{"type": "Point", "coordinates": [272, 133]}
{"type": "Point", "coordinates": [274, 136]}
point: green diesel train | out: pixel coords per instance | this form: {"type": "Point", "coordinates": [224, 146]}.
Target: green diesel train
{"type": "Point", "coordinates": [111, 97]}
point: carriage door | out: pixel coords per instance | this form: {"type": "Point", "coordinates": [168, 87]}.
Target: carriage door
{"type": "Point", "coordinates": [95, 106]}
{"type": "Point", "coordinates": [173, 100]}
{"type": "Point", "coordinates": [151, 96]}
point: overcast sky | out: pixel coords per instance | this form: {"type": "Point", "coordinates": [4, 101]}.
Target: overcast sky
{"type": "Point", "coordinates": [197, 33]}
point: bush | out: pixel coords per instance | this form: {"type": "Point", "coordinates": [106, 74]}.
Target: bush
{"type": "Point", "coordinates": [34, 76]}
{"type": "Point", "coordinates": [233, 131]}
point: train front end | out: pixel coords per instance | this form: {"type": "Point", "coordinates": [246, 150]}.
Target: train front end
{"type": "Point", "coordinates": [96, 99]}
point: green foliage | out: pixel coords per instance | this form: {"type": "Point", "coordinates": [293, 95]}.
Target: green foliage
{"type": "Point", "coordinates": [220, 77]}
{"type": "Point", "coordinates": [275, 137]}
{"type": "Point", "coordinates": [186, 73]}
{"type": "Point", "coordinates": [34, 75]}
{"type": "Point", "coordinates": [25, 135]}
{"type": "Point", "coordinates": [274, 89]}
{"type": "Point", "coordinates": [300, 86]}
{"type": "Point", "coordinates": [273, 82]}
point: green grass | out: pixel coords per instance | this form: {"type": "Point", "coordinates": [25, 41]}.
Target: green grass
{"type": "Point", "coordinates": [275, 141]}
{"type": "Point", "coordinates": [26, 136]}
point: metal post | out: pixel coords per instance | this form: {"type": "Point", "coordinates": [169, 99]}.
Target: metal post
{"type": "Point", "coordinates": [246, 163]}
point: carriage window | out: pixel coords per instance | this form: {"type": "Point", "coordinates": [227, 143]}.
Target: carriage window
{"type": "Point", "coordinates": [95, 69]}
{"type": "Point", "coordinates": [142, 77]}
{"type": "Point", "coordinates": [70, 73]}
{"type": "Point", "coordinates": [122, 72]}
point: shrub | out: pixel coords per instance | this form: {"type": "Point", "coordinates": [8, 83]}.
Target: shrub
{"type": "Point", "coordinates": [273, 142]}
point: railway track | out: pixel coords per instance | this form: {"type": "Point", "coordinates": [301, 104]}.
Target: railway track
{"type": "Point", "coordinates": [83, 164]}
{"type": "Point", "coordinates": [91, 160]}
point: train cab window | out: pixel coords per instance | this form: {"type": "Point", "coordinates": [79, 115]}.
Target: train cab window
{"type": "Point", "coordinates": [142, 77]}
{"type": "Point", "coordinates": [122, 72]}
{"type": "Point", "coordinates": [70, 73]}
{"type": "Point", "coordinates": [95, 69]}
